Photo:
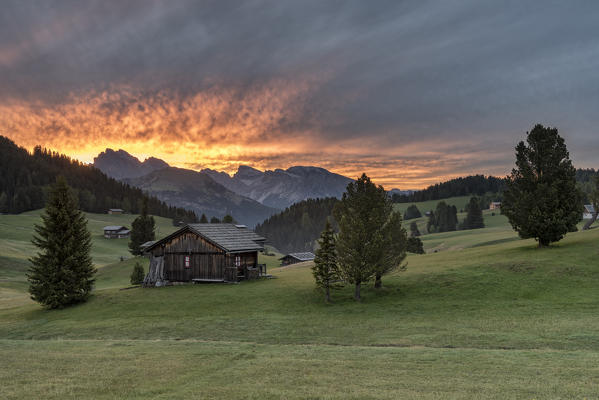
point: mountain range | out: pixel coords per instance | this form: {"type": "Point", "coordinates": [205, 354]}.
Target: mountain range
{"type": "Point", "coordinates": [250, 195]}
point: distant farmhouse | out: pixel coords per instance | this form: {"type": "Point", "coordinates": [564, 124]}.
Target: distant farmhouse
{"type": "Point", "coordinates": [495, 205]}
{"type": "Point", "coordinates": [293, 258]}
{"type": "Point", "coordinates": [115, 211]}
{"type": "Point", "coordinates": [206, 253]}
{"type": "Point", "coordinates": [589, 210]}
{"type": "Point", "coordinates": [116, 232]}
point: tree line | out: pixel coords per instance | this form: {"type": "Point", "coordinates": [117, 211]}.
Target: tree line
{"type": "Point", "coordinates": [463, 186]}
{"type": "Point", "coordinates": [25, 180]}
{"type": "Point", "coordinates": [297, 227]}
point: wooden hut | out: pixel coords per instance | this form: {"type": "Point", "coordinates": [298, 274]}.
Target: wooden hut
{"type": "Point", "coordinates": [205, 253]}
{"type": "Point", "coordinates": [293, 258]}
{"type": "Point", "coordinates": [115, 211]}
{"type": "Point", "coordinates": [116, 232]}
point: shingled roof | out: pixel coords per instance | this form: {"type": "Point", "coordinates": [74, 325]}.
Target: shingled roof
{"type": "Point", "coordinates": [229, 237]}
{"type": "Point", "coordinates": [307, 256]}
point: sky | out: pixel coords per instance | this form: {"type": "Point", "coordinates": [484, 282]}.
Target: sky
{"type": "Point", "coordinates": [410, 92]}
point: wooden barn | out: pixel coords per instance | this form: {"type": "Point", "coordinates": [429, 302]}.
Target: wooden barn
{"type": "Point", "coordinates": [294, 258]}
{"type": "Point", "coordinates": [205, 253]}
{"type": "Point", "coordinates": [116, 232]}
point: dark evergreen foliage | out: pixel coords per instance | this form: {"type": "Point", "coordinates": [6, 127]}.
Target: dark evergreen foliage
{"type": "Point", "coordinates": [138, 274]}
{"type": "Point", "coordinates": [593, 199]}
{"type": "Point", "coordinates": [415, 245]}
{"type": "Point", "coordinates": [214, 220]}
{"type": "Point", "coordinates": [203, 219]}
{"type": "Point", "coordinates": [298, 227]}
{"type": "Point", "coordinates": [414, 232]}
{"type": "Point", "coordinates": [62, 272]}
{"type": "Point", "coordinates": [542, 200]}
{"type": "Point", "coordinates": [412, 212]}
{"type": "Point", "coordinates": [142, 230]}
{"type": "Point", "coordinates": [228, 219]}
{"type": "Point", "coordinates": [465, 186]}
{"type": "Point", "coordinates": [371, 240]}
{"type": "Point", "coordinates": [474, 217]}
{"type": "Point", "coordinates": [443, 219]}
{"type": "Point", "coordinates": [25, 178]}
{"type": "Point", "coordinates": [325, 269]}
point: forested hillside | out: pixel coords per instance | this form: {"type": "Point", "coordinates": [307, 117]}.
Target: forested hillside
{"type": "Point", "coordinates": [464, 186]}
{"type": "Point", "coordinates": [24, 178]}
{"type": "Point", "coordinates": [298, 226]}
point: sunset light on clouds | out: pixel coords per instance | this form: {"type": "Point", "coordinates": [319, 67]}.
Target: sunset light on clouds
{"type": "Point", "coordinates": [387, 89]}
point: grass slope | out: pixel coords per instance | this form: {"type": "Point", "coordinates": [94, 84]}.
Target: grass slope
{"type": "Point", "coordinates": [500, 321]}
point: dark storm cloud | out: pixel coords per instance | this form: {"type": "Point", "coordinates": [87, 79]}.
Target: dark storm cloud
{"type": "Point", "coordinates": [448, 74]}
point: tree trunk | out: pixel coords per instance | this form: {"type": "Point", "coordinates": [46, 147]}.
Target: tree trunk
{"type": "Point", "coordinates": [357, 292]}
{"type": "Point", "coordinates": [328, 294]}
{"type": "Point", "coordinates": [377, 281]}
{"type": "Point", "coordinates": [590, 222]}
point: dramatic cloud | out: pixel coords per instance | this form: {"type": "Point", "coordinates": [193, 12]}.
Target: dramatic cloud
{"type": "Point", "coordinates": [409, 92]}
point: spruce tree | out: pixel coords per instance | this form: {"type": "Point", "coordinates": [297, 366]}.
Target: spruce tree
{"type": "Point", "coordinates": [142, 230]}
{"type": "Point", "coordinates": [228, 219]}
{"type": "Point", "coordinates": [203, 219]}
{"type": "Point", "coordinates": [414, 231]}
{"type": "Point", "coordinates": [325, 268]}
{"type": "Point", "coordinates": [474, 217]}
{"type": "Point", "coordinates": [415, 245]}
{"type": "Point", "coordinates": [368, 242]}
{"type": "Point", "coordinates": [214, 220]}
{"type": "Point", "coordinates": [138, 274]}
{"type": "Point", "coordinates": [542, 200]}
{"type": "Point", "coordinates": [412, 212]}
{"type": "Point", "coordinates": [62, 272]}
{"type": "Point", "coordinates": [393, 247]}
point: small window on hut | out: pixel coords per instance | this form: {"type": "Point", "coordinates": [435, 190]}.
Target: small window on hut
{"type": "Point", "coordinates": [187, 262]}
{"type": "Point", "coordinates": [237, 261]}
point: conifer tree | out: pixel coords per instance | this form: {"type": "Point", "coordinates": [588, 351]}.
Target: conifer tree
{"type": "Point", "coordinates": [228, 219]}
{"type": "Point", "coordinates": [369, 242]}
{"type": "Point", "coordinates": [393, 247]}
{"type": "Point", "coordinates": [415, 245]}
{"type": "Point", "coordinates": [62, 272]}
{"type": "Point", "coordinates": [138, 274]}
{"type": "Point", "coordinates": [214, 220]}
{"type": "Point", "coordinates": [474, 217]}
{"type": "Point", "coordinates": [414, 231]}
{"type": "Point", "coordinates": [142, 230]}
{"type": "Point", "coordinates": [203, 219]}
{"type": "Point", "coordinates": [542, 200]}
{"type": "Point", "coordinates": [325, 269]}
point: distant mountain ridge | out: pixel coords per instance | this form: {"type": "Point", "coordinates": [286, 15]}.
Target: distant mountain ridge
{"type": "Point", "coordinates": [198, 192]}
{"type": "Point", "coordinates": [275, 189]}
{"type": "Point", "coordinates": [281, 188]}
{"type": "Point", "coordinates": [121, 165]}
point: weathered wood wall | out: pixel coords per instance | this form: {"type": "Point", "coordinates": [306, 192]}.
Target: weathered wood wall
{"type": "Point", "coordinates": [206, 260]}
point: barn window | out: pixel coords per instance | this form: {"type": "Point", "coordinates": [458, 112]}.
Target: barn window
{"type": "Point", "coordinates": [237, 261]}
{"type": "Point", "coordinates": [187, 263]}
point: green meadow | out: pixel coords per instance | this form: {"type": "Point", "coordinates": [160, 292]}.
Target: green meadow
{"type": "Point", "coordinates": [481, 315]}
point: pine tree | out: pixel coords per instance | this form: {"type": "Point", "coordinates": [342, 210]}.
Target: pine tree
{"type": "Point", "coordinates": [369, 242]}
{"type": "Point", "coordinates": [62, 272]}
{"type": "Point", "coordinates": [415, 245]}
{"type": "Point", "coordinates": [227, 219]}
{"type": "Point", "coordinates": [542, 200]}
{"type": "Point", "coordinates": [393, 247]}
{"type": "Point", "coordinates": [142, 230]}
{"type": "Point", "coordinates": [474, 217]}
{"type": "Point", "coordinates": [214, 220]}
{"type": "Point", "coordinates": [203, 219]}
{"type": "Point", "coordinates": [414, 232]}
{"type": "Point", "coordinates": [325, 269]}
{"type": "Point", "coordinates": [412, 212]}
{"type": "Point", "coordinates": [138, 274]}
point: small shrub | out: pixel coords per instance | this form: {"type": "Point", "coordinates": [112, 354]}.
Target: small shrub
{"type": "Point", "coordinates": [138, 274]}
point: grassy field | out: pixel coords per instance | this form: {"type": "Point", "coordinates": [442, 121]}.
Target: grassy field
{"type": "Point", "coordinates": [492, 318]}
